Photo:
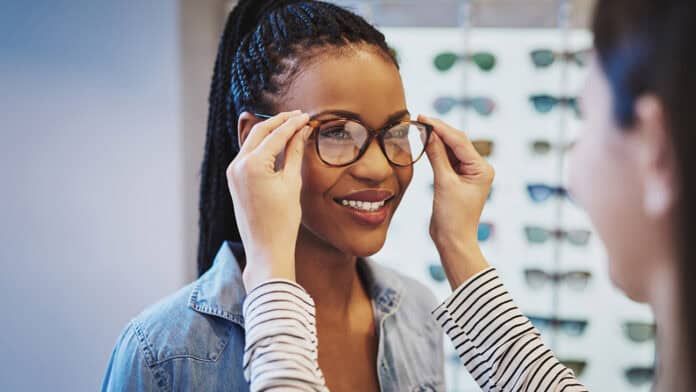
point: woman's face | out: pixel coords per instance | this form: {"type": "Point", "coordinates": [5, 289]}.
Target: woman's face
{"type": "Point", "coordinates": [607, 178]}
{"type": "Point", "coordinates": [369, 87]}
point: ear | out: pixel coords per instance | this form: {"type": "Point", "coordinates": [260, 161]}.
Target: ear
{"type": "Point", "coordinates": [244, 124]}
{"type": "Point", "coordinates": [655, 157]}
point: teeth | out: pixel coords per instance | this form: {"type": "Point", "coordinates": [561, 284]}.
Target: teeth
{"type": "Point", "coordinates": [363, 205]}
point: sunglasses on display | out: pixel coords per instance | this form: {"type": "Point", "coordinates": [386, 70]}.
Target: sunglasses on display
{"type": "Point", "coordinates": [639, 332]}
{"type": "Point", "coordinates": [484, 147]}
{"type": "Point", "coordinates": [437, 273]}
{"type": "Point", "coordinates": [639, 375]}
{"type": "Point", "coordinates": [481, 105]}
{"type": "Point", "coordinates": [538, 278]}
{"type": "Point", "coordinates": [570, 327]}
{"type": "Point", "coordinates": [485, 231]}
{"type": "Point", "coordinates": [543, 58]}
{"type": "Point", "coordinates": [444, 61]}
{"type": "Point", "coordinates": [544, 103]}
{"type": "Point", "coordinates": [578, 366]}
{"type": "Point", "coordinates": [539, 235]}
{"type": "Point", "coordinates": [539, 193]}
{"type": "Point", "coordinates": [543, 147]}
{"type": "Point", "coordinates": [342, 141]}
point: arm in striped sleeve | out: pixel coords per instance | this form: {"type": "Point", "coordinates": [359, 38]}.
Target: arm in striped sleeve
{"type": "Point", "coordinates": [281, 339]}
{"type": "Point", "coordinates": [498, 345]}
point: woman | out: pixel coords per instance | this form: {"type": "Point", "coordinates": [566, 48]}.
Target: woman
{"type": "Point", "coordinates": [276, 56]}
{"type": "Point", "coordinates": [632, 170]}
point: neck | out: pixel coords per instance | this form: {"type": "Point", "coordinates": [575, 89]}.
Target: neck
{"type": "Point", "coordinates": [329, 275]}
{"type": "Point", "coordinates": [663, 297]}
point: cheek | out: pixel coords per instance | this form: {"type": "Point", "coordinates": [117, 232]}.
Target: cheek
{"type": "Point", "coordinates": [404, 176]}
{"type": "Point", "coordinates": [317, 178]}
{"type": "Point", "coordinates": [601, 180]}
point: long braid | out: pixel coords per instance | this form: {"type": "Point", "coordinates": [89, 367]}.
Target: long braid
{"type": "Point", "coordinates": [263, 46]}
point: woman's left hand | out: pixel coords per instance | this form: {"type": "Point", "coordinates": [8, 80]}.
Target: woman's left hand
{"type": "Point", "coordinates": [462, 182]}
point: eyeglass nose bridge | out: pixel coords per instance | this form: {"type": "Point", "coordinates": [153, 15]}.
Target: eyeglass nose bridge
{"type": "Point", "coordinates": [373, 134]}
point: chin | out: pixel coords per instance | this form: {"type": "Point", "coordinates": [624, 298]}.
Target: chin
{"type": "Point", "coordinates": [366, 250]}
{"type": "Point", "coordinates": [361, 244]}
{"type": "Point", "coordinates": [627, 282]}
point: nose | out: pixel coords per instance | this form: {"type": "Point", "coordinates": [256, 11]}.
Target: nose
{"type": "Point", "coordinates": [373, 167]}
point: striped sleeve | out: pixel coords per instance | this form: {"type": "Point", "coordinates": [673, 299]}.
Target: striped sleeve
{"type": "Point", "coordinates": [281, 339]}
{"type": "Point", "coordinates": [499, 346]}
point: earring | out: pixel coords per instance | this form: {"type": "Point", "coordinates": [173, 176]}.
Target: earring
{"type": "Point", "coordinates": [655, 199]}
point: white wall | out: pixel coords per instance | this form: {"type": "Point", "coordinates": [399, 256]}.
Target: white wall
{"type": "Point", "coordinates": [91, 190]}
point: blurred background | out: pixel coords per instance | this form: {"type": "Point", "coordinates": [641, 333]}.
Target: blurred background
{"type": "Point", "coordinates": [103, 118]}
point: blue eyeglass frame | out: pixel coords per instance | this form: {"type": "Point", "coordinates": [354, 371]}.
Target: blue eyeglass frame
{"type": "Point", "coordinates": [371, 135]}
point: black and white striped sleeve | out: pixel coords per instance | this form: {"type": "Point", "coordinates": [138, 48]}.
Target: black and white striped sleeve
{"type": "Point", "coordinates": [499, 346]}
{"type": "Point", "coordinates": [281, 339]}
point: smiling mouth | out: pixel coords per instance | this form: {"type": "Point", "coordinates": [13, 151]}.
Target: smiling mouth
{"type": "Point", "coordinates": [362, 205]}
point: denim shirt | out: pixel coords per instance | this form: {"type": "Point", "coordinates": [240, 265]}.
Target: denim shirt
{"type": "Point", "coordinates": [193, 340]}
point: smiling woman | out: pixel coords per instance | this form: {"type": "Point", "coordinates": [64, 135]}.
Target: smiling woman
{"type": "Point", "coordinates": [275, 57]}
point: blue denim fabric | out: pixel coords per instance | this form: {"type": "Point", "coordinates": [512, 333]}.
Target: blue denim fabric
{"type": "Point", "coordinates": [193, 340]}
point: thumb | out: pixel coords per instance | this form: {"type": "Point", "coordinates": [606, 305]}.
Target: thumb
{"type": "Point", "coordinates": [437, 155]}
{"type": "Point", "coordinates": [295, 151]}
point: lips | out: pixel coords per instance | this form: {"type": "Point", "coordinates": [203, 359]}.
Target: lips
{"type": "Point", "coordinates": [367, 207]}
{"type": "Point", "coordinates": [369, 195]}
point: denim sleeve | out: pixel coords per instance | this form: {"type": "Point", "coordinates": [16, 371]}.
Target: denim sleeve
{"type": "Point", "coordinates": [127, 369]}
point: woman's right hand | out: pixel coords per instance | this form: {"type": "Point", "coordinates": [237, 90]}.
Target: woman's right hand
{"type": "Point", "coordinates": [267, 201]}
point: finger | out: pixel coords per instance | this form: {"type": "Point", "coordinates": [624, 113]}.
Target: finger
{"type": "Point", "coordinates": [437, 155]}
{"type": "Point", "coordinates": [274, 143]}
{"type": "Point", "coordinates": [262, 129]}
{"type": "Point", "coordinates": [295, 151]}
{"type": "Point", "coordinates": [453, 138]}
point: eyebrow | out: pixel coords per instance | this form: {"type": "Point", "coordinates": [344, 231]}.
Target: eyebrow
{"type": "Point", "coordinates": [355, 116]}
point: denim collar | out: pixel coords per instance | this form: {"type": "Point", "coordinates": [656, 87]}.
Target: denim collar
{"type": "Point", "coordinates": [220, 291]}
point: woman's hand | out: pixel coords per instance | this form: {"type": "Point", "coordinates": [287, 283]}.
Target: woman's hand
{"type": "Point", "coordinates": [267, 201]}
{"type": "Point", "coordinates": [462, 183]}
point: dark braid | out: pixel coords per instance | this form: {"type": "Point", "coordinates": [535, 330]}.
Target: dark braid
{"type": "Point", "coordinates": [263, 46]}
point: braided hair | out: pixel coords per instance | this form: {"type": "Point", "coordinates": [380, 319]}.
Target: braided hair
{"type": "Point", "coordinates": [263, 46]}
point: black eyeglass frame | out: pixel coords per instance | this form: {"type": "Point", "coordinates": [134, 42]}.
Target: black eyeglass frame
{"type": "Point", "coordinates": [372, 134]}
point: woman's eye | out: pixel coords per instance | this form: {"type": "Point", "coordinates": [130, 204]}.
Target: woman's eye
{"type": "Point", "coordinates": [397, 133]}
{"type": "Point", "coordinates": [336, 133]}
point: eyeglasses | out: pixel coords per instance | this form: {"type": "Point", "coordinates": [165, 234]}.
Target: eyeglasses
{"type": "Point", "coordinates": [576, 365]}
{"type": "Point", "coordinates": [340, 141]}
{"type": "Point", "coordinates": [545, 57]}
{"type": "Point", "coordinates": [639, 332]}
{"type": "Point", "coordinates": [482, 105]}
{"type": "Point", "coordinates": [541, 192]}
{"type": "Point", "coordinates": [542, 147]}
{"type": "Point", "coordinates": [484, 232]}
{"type": "Point", "coordinates": [537, 278]}
{"type": "Point", "coordinates": [568, 326]}
{"type": "Point", "coordinates": [446, 60]}
{"type": "Point", "coordinates": [543, 103]}
{"type": "Point", "coordinates": [484, 147]}
{"type": "Point", "coordinates": [639, 375]}
{"type": "Point", "coordinates": [539, 235]}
